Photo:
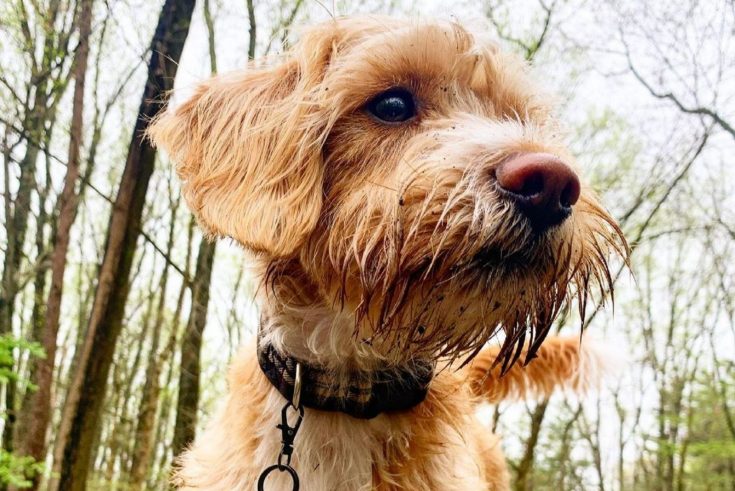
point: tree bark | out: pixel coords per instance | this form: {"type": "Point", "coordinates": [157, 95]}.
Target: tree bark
{"type": "Point", "coordinates": [86, 394]}
{"type": "Point", "coordinates": [144, 439]}
{"type": "Point", "coordinates": [37, 413]}
{"type": "Point", "coordinates": [524, 473]}
{"type": "Point", "coordinates": [46, 86]}
{"type": "Point", "coordinates": [188, 402]}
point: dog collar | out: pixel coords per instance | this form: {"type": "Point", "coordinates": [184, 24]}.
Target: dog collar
{"type": "Point", "coordinates": [365, 394]}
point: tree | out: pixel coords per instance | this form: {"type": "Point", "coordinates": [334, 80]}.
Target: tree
{"type": "Point", "coordinates": [145, 429]}
{"type": "Point", "coordinates": [87, 392]}
{"type": "Point", "coordinates": [191, 347]}
{"type": "Point", "coordinates": [46, 84]}
{"type": "Point", "coordinates": [37, 413]}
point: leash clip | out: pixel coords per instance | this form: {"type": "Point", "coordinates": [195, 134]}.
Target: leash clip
{"type": "Point", "coordinates": [288, 435]}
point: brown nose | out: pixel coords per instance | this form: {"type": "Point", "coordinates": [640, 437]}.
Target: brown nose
{"type": "Point", "coordinates": [544, 187]}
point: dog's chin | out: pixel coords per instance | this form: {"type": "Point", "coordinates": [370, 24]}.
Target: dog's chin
{"type": "Point", "coordinates": [497, 261]}
{"type": "Point", "coordinates": [532, 258]}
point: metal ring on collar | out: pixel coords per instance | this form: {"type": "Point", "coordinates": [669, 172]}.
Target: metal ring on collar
{"type": "Point", "coordinates": [281, 468]}
{"type": "Point", "coordinates": [297, 387]}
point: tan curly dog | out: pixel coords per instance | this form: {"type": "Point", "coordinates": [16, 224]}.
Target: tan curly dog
{"type": "Point", "coordinates": [417, 225]}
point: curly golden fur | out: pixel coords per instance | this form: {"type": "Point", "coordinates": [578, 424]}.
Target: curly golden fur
{"type": "Point", "coordinates": [381, 243]}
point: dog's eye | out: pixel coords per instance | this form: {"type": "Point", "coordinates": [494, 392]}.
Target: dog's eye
{"type": "Point", "coordinates": [393, 106]}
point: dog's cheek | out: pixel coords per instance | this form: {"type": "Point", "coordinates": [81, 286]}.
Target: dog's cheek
{"type": "Point", "coordinates": [360, 152]}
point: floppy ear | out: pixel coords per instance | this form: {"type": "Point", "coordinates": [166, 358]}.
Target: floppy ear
{"type": "Point", "coordinates": [248, 150]}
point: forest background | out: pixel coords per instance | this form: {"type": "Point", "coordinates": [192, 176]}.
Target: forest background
{"type": "Point", "coordinates": [117, 321]}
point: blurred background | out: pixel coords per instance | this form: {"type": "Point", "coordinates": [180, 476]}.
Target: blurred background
{"type": "Point", "coordinates": [117, 321]}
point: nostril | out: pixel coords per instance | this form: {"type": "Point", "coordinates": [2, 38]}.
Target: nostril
{"type": "Point", "coordinates": [570, 193]}
{"type": "Point", "coordinates": [565, 199]}
{"type": "Point", "coordinates": [533, 184]}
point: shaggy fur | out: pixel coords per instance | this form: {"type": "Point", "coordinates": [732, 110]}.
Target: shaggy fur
{"type": "Point", "coordinates": [380, 243]}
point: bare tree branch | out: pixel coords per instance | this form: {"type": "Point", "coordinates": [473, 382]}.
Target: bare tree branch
{"type": "Point", "coordinates": [529, 48]}
{"type": "Point", "coordinates": [699, 110]}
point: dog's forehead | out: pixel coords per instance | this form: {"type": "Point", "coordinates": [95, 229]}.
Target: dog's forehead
{"type": "Point", "coordinates": [445, 64]}
{"type": "Point", "coordinates": [422, 49]}
{"type": "Point", "coordinates": [416, 36]}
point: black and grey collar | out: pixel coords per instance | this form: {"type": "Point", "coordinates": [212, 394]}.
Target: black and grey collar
{"type": "Point", "coordinates": [367, 393]}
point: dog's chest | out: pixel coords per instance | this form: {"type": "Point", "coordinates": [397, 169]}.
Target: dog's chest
{"type": "Point", "coordinates": [337, 452]}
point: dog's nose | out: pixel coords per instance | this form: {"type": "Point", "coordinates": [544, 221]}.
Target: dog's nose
{"type": "Point", "coordinates": [544, 187]}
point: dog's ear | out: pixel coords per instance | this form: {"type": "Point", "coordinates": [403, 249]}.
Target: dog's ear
{"type": "Point", "coordinates": [248, 146]}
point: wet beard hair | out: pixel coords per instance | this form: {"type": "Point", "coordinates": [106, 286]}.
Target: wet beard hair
{"type": "Point", "coordinates": [519, 294]}
{"type": "Point", "coordinates": [446, 309]}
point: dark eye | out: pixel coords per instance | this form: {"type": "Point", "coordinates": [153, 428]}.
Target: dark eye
{"type": "Point", "coordinates": [393, 106]}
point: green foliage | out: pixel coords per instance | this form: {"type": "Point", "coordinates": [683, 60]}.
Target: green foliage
{"type": "Point", "coordinates": [15, 471]}
{"type": "Point", "coordinates": [8, 344]}
{"type": "Point", "coordinates": [710, 444]}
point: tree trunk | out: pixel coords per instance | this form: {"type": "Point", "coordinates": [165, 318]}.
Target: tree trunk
{"type": "Point", "coordinates": [144, 439]}
{"type": "Point", "coordinates": [163, 445]}
{"type": "Point", "coordinates": [16, 234]}
{"type": "Point", "coordinates": [524, 473]}
{"type": "Point", "coordinates": [34, 126]}
{"type": "Point", "coordinates": [123, 417]}
{"type": "Point", "coordinates": [188, 402]}
{"type": "Point", "coordinates": [144, 430]}
{"type": "Point", "coordinates": [26, 414]}
{"type": "Point", "coordinates": [86, 394]}
{"type": "Point", "coordinates": [38, 311]}
{"type": "Point", "coordinates": [37, 413]}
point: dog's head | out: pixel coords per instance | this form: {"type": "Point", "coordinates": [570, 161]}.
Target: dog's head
{"type": "Point", "coordinates": [401, 172]}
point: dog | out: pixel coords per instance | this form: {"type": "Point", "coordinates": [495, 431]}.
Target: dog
{"type": "Point", "coordinates": [417, 224]}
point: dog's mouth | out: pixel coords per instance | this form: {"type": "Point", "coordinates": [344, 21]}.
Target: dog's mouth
{"type": "Point", "coordinates": [528, 259]}
{"type": "Point", "coordinates": [494, 258]}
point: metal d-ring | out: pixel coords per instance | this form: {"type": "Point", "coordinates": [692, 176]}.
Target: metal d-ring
{"type": "Point", "coordinates": [296, 400]}
{"type": "Point", "coordinates": [280, 468]}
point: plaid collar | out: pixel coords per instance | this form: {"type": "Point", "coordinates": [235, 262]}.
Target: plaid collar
{"type": "Point", "coordinates": [367, 394]}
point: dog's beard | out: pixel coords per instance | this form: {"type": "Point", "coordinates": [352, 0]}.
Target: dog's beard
{"type": "Point", "coordinates": [445, 294]}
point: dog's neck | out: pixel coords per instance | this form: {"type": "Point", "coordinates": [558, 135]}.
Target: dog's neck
{"type": "Point", "coordinates": [321, 336]}
{"type": "Point", "coordinates": [339, 374]}
{"type": "Point", "coordinates": [342, 369]}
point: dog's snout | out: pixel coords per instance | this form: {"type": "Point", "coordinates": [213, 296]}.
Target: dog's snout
{"type": "Point", "coordinates": [544, 187]}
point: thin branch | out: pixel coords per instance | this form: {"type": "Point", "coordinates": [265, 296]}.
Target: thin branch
{"type": "Point", "coordinates": [530, 49]}
{"type": "Point", "coordinates": [699, 110]}
{"type": "Point", "coordinates": [252, 31]}
{"type": "Point", "coordinates": [647, 222]}
{"type": "Point", "coordinates": [284, 26]}
{"type": "Point", "coordinates": [209, 21]}
{"type": "Point", "coordinates": [88, 183]}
